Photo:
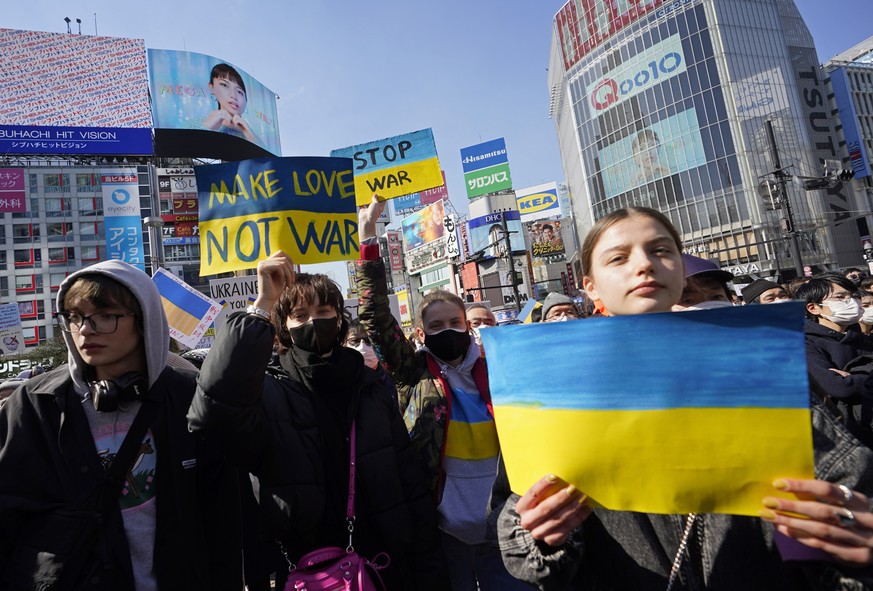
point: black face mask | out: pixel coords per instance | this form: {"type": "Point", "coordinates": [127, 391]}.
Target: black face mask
{"type": "Point", "coordinates": [449, 344]}
{"type": "Point", "coordinates": [316, 336]}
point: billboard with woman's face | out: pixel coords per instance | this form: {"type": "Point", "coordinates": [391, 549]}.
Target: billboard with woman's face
{"type": "Point", "coordinates": [200, 92]}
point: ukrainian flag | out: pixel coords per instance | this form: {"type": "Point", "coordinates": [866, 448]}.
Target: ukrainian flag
{"type": "Point", "coordinates": [659, 413]}
{"type": "Point", "coordinates": [184, 307]}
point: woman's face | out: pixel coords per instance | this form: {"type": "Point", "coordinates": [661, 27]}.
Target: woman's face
{"type": "Point", "coordinates": [230, 95]}
{"type": "Point", "coordinates": [646, 153]}
{"type": "Point", "coordinates": [636, 268]}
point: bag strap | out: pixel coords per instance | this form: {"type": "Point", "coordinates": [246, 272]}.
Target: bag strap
{"type": "Point", "coordinates": [350, 506]}
{"type": "Point", "coordinates": [116, 474]}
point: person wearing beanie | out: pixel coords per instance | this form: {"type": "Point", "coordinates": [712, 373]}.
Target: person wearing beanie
{"type": "Point", "coordinates": [705, 285]}
{"type": "Point", "coordinates": [558, 308]}
{"type": "Point", "coordinates": [764, 291]}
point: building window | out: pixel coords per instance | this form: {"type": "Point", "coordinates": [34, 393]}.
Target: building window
{"type": "Point", "coordinates": [34, 183]}
{"type": "Point", "coordinates": [55, 280]}
{"type": "Point", "coordinates": [21, 234]}
{"type": "Point", "coordinates": [24, 258]}
{"type": "Point", "coordinates": [56, 183]}
{"type": "Point", "coordinates": [89, 253]}
{"type": "Point", "coordinates": [24, 282]}
{"type": "Point", "coordinates": [60, 255]}
{"type": "Point", "coordinates": [87, 183]}
{"type": "Point", "coordinates": [58, 207]}
{"type": "Point", "coordinates": [57, 231]}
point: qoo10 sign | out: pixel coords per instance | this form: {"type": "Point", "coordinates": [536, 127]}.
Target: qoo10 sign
{"type": "Point", "coordinates": [646, 69]}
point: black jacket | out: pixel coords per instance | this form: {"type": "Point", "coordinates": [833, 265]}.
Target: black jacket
{"type": "Point", "coordinates": [48, 461]}
{"type": "Point", "coordinates": [826, 349]}
{"type": "Point", "coordinates": [271, 427]}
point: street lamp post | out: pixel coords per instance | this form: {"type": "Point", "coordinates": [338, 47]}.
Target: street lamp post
{"type": "Point", "coordinates": [155, 227]}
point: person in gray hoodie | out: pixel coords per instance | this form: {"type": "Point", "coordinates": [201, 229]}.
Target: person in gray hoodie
{"type": "Point", "coordinates": [172, 521]}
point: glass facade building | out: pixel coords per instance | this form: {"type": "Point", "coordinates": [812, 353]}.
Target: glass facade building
{"type": "Point", "coordinates": [663, 104]}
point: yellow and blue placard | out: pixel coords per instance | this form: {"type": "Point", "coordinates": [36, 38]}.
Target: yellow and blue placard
{"type": "Point", "coordinates": [658, 413]}
{"type": "Point", "coordinates": [394, 166]}
{"type": "Point", "coordinates": [189, 312]}
{"type": "Point", "coordinates": [252, 208]}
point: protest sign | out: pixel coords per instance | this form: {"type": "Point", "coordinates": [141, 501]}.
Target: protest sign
{"type": "Point", "coordinates": [252, 208]}
{"type": "Point", "coordinates": [189, 312]}
{"type": "Point", "coordinates": [233, 294]}
{"type": "Point", "coordinates": [394, 166]}
{"type": "Point", "coordinates": [665, 413]}
{"type": "Point", "coordinates": [11, 335]}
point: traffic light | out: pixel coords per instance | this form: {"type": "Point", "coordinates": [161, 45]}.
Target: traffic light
{"type": "Point", "coordinates": [844, 175]}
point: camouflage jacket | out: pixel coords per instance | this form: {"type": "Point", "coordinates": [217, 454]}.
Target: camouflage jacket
{"type": "Point", "coordinates": [424, 396]}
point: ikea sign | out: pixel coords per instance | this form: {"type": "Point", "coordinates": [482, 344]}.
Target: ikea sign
{"type": "Point", "coordinates": [538, 202]}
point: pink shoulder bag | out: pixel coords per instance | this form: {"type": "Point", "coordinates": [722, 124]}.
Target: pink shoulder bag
{"type": "Point", "coordinates": [334, 568]}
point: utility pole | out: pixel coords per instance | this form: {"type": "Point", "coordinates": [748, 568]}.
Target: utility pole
{"type": "Point", "coordinates": [512, 278]}
{"type": "Point", "coordinates": [788, 221]}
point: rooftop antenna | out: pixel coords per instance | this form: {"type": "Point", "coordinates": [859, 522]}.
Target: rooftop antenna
{"type": "Point", "coordinates": [67, 20]}
{"type": "Point", "coordinates": [95, 24]}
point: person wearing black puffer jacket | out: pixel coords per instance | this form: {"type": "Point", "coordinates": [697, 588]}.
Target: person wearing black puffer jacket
{"type": "Point", "coordinates": [289, 426]}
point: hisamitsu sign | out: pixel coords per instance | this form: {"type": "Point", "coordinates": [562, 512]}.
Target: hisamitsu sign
{"type": "Point", "coordinates": [250, 209]}
{"type": "Point", "coordinates": [394, 166]}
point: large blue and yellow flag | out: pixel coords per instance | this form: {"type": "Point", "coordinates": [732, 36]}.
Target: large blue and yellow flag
{"type": "Point", "coordinates": [659, 413]}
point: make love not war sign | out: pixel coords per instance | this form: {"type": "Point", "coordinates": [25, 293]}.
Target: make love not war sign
{"type": "Point", "coordinates": [394, 166]}
{"type": "Point", "coordinates": [252, 208]}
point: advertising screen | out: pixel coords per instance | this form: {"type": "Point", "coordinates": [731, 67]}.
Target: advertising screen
{"type": "Point", "coordinates": [199, 92]}
{"type": "Point", "coordinates": [73, 94]}
{"type": "Point", "coordinates": [486, 237]}
{"type": "Point", "coordinates": [664, 148]}
{"type": "Point", "coordinates": [545, 237]}
{"type": "Point", "coordinates": [423, 226]}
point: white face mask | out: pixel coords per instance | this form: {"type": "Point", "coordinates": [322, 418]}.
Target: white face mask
{"type": "Point", "coordinates": [844, 313]}
{"type": "Point", "coordinates": [867, 318]}
{"type": "Point", "coordinates": [370, 359]}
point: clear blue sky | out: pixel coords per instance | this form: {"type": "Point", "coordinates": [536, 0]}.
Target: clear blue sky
{"type": "Point", "coordinates": [351, 72]}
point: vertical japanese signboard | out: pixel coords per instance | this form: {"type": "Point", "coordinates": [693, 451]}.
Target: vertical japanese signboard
{"type": "Point", "coordinates": [12, 196]}
{"type": "Point", "coordinates": [121, 217]}
{"type": "Point", "coordinates": [486, 168]}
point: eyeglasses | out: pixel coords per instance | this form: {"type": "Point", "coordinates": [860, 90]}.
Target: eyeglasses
{"type": "Point", "coordinates": [101, 323]}
{"type": "Point", "coordinates": [840, 297]}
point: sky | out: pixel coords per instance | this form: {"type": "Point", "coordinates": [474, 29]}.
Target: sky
{"type": "Point", "coordinates": [352, 72]}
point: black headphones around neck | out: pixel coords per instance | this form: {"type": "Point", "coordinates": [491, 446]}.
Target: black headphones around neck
{"type": "Point", "coordinates": [107, 394]}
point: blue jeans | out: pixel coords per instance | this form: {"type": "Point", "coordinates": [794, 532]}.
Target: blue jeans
{"type": "Point", "coordinates": [477, 566]}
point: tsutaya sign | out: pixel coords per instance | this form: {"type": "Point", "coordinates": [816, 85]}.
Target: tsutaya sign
{"type": "Point", "coordinates": [250, 209]}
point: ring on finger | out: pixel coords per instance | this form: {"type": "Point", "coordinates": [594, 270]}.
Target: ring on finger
{"type": "Point", "coordinates": [845, 517]}
{"type": "Point", "coordinates": [847, 493]}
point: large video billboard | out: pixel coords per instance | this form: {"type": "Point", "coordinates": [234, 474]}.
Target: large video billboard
{"type": "Point", "coordinates": [663, 148]}
{"type": "Point", "coordinates": [486, 237]}
{"type": "Point", "coordinates": [199, 92]}
{"type": "Point", "coordinates": [423, 226]}
{"type": "Point", "coordinates": [73, 94]}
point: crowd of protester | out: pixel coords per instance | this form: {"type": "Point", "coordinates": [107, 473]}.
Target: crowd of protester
{"type": "Point", "coordinates": [136, 469]}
